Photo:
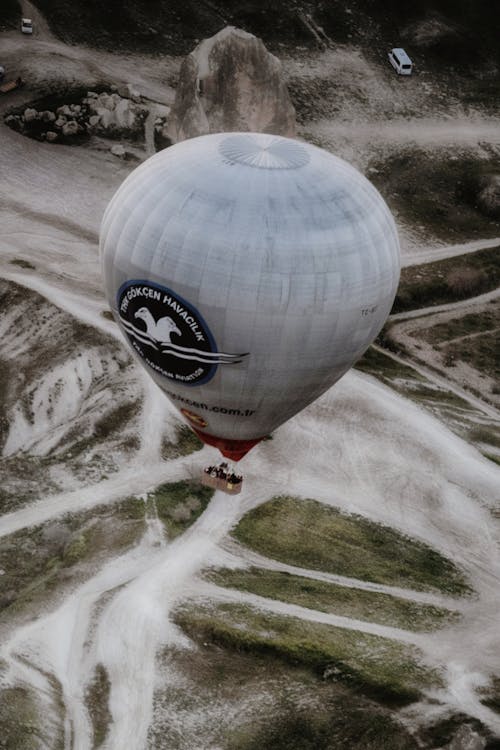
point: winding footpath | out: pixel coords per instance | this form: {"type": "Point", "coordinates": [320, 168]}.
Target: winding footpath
{"type": "Point", "coordinates": [361, 448]}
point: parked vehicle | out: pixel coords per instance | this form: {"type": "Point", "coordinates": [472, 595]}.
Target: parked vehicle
{"type": "Point", "coordinates": [2, 73]}
{"type": "Point", "coordinates": [5, 88]}
{"type": "Point", "coordinates": [26, 25]}
{"type": "Point", "coordinates": [400, 61]}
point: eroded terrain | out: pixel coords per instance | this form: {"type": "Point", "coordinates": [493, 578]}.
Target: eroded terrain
{"type": "Point", "coordinates": [349, 596]}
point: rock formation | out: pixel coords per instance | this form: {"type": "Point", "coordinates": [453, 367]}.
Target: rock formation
{"type": "Point", "coordinates": [230, 82]}
{"type": "Point", "coordinates": [106, 114]}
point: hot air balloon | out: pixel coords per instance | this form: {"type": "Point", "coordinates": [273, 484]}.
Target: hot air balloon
{"type": "Point", "coordinates": [248, 272]}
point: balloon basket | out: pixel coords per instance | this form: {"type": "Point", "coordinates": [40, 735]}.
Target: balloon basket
{"type": "Point", "coordinates": [219, 479]}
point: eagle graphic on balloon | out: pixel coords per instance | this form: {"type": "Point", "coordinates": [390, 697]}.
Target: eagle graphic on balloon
{"type": "Point", "coordinates": [248, 272]}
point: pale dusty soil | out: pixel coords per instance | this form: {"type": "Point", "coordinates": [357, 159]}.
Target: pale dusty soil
{"type": "Point", "coordinates": [361, 447]}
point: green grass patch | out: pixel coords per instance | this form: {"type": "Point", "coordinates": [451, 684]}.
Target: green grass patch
{"type": "Point", "coordinates": [438, 191]}
{"type": "Point", "coordinates": [457, 413]}
{"type": "Point", "coordinates": [309, 534]}
{"type": "Point", "coordinates": [465, 325]}
{"type": "Point", "coordinates": [379, 668]}
{"type": "Point", "coordinates": [492, 695]}
{"type": "Point", "coordinates": [480, 352]}
{"type": "Point", "coordinates": [339, 600]}
{"type": "Point", "coordinates": [297, 727]}
{"type": "Point", "coordinates": [385, 368]}
{"type": "Point", "coordinates": [186, 442]}
{"type": "Point", "coordinates": [407, 381]}
{"type": "Point", "coordinates": [448, 280]}
{"type": "Point", "coordinates": [36, 561]}
{"type": "Point", "coordinates": [291, 707]}
{"type": "Point", "coordinates": [97, 702]}
{"type": "Point", "coordinates": [179, 504]}
{"type": "Point", "coordinates": [20, 726]}
{"type": "Point", "coordinates": [116, 418]}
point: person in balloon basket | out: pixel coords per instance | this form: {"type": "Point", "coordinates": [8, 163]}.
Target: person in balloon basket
{"type": "Point", "coordinates": [221, 472]}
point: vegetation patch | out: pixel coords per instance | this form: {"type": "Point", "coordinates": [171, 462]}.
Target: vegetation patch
{"type": "Point", "coordinates": [457, 413]}
{"type": "Point", "coordinates": [481, 352]}
{"type": "Point", "coordinates": [260, 702]}
{"type": "Point", "coordinates": [20, 727]}
{"type": "Point", "coordinates": [179, 504]}
{"type": "Point", "coordinates": [440, 194]}
{"type": "Point", "coordinates": [465, 325]}
{"type": "Point", "coordinates": [443, 732]}
{"type": "Point", "coordinates": [309, 534]}
{"type": "Point", "coordinates": [491, 695]}
{"type": "Point", "coordinates": [384, 670]}
{"type": "Point", "coordinates": [448, 280]}
{"type": "Point", "coordinates": [473, 338]}
{"type": "Point", "coordinates": [97, 702]}
{"type": "Point", "coordinates": [37, 561]}
{"type": "Point", "coordinates": [151, 28]}
{"type": "Point", "coordinates": [187, 442]}
{"type": "Point", "coordinates": [114, 420]}
{"type": "Point", "coordinates": [338, 600]}
{"type": "Point", "coordinates": [4, 422]}
{"type": "Point", "coordinates": [386, 368]}
{"type": "Point", "coordinates": [406, 380]}
{"type": "Point", "coordinates": [297, 727]}
{"type": "Point", "coordinates": [11, 14]}
{"type": "Point", "coordinates": [22, 264]}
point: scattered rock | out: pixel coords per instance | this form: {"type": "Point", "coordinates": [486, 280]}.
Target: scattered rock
{"type": "Point", "coordinates": [128, 91]}
{"type": "Point", "coordinates": [230, 82]}
{"type": "Point", "coordinates": [466, 739]}
{"type": "Point", "coordinates": [488, 199]}
{"type": "Point", "coordinates": [113, 114]}
{"type": "Point", "coordinates": [64, 110]}
{"type": "Point", "coordinates": [118, 150]}
{"type": "Point", "coordinates": [106, 114]}
{"type": "Point", "coordinates": [14, 122]}
{"type": "Point", "coordinates": [70, 128]}
{"type": "Point", "coordinates": [47, 116]}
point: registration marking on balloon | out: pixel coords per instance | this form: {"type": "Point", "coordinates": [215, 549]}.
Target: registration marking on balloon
{"type": "Point", "coordinates": [169, 334]}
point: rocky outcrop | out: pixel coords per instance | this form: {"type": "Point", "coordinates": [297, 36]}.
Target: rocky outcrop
{"type": "Point", "coordinates": [229, 83]}
{"type": "Point", "coordinates": [106, 114]}
{"type": "Point", "coordinates": [112, 114]}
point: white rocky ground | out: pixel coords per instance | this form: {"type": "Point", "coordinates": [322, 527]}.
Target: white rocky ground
{"type": "Point", "coordinates": [360, 448]}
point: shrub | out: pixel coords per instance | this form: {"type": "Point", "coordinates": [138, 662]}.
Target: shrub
{"type": "Point", "coordinates": [464, 282]}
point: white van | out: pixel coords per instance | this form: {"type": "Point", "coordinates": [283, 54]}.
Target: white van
{"type": "Point", "coordinates": [400, 61]}
{"type": "Point", "coordinates": [26, 25]}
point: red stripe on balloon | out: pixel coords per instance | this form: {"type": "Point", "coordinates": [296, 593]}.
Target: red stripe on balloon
{"type": "Point", "coordinates": [234, 450]}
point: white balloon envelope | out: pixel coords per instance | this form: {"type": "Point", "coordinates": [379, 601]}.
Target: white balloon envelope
{"type": "Point", "coordinates": [248, 272]}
